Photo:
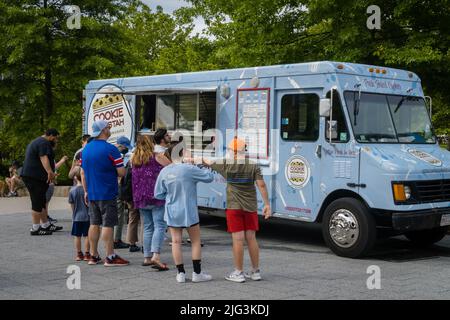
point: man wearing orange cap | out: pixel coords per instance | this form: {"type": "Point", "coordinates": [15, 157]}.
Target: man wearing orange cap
{"type": "Point", "coordinates": [242, 218]}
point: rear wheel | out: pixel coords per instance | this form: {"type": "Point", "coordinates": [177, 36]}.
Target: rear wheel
{"type": "Point", "coordinates": [348, 228]}
{"type": "Point", "coordinates": [427, 237]}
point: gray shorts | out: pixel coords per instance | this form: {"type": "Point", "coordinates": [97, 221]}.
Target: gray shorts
{"type": "Point", "coordinates": [104, 213]}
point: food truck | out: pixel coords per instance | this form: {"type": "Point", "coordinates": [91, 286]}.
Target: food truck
{"type": "Point", "coordinates": [350, 146]}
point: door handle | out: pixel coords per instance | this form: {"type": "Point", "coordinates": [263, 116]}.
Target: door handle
{"type": "Point", "coordinates": [319, 151]}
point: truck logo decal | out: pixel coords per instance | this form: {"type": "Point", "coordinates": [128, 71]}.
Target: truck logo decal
{"type": "Point", "coordinates": [297, 172]}
{"type": "Point", "coordinates": [114, 109]}
{"type": "Point", "coordinates": [425, 157]}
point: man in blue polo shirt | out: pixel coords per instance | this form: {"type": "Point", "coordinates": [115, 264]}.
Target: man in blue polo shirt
{"type": "Point", "coordinates": [102, 164]}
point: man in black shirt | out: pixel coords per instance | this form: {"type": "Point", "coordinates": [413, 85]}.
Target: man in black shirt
{"type": "Point", "coordinates": [37, 172]}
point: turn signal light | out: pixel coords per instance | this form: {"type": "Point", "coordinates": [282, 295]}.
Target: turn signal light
{"type": "Point", "coordinates": [399, 192]}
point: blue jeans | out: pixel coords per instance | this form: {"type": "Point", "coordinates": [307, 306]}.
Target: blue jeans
{"type": "Point", "coordinates": [154, 229]}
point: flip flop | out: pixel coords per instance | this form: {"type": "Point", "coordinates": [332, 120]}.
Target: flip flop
{"type": "Point", "coordinates": [160, 266]}
{"type": "Point", "coordinates": [147, 264]}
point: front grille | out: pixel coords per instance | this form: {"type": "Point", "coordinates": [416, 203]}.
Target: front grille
{"type": "Point", "coordinates": [432, 191]}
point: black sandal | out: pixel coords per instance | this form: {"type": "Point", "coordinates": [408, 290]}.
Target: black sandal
{"type": "Point", "coordinates": [160, 266]}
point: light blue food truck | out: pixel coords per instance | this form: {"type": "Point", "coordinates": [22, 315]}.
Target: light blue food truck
{"type": "Point", "coordinates": [350, 146]}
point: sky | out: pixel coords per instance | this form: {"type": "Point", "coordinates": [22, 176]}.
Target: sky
{"type": "Point", "coordinates": [170, 5]}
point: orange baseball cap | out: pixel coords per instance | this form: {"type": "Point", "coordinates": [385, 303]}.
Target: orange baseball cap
{"type": "Point", "coordinates": [237, 145]}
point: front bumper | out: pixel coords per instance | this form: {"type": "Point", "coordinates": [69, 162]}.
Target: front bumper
{"type": "Point", "coordinates": [418, 220]}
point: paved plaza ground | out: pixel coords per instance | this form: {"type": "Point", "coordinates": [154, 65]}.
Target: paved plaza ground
{"type": "Point", "coordinates": [295, 264]}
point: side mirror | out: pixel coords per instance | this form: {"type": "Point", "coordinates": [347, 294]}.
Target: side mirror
{"type": "Point", "coordinates": [325, 107]}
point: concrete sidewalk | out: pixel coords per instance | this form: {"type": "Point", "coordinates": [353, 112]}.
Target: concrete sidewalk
{"type": "Point", "coordinates": [295, 264]}
{"type": "Point", "coordinates": [23, 204]}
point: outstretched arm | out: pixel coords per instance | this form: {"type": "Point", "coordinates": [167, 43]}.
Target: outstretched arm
{"type": "Point", "coordinates": [61, 162]}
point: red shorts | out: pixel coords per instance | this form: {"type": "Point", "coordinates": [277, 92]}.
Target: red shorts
{"type": "Point", "coordinates": [240, 220]}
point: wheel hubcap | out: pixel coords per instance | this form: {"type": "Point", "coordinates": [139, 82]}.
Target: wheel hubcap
{"type": "Point", "coordinates": [344, 228]}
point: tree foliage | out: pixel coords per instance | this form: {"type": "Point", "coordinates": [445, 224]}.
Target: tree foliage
{"type": "Point", "coordinates": [414, 35]}
{"type": "Point", "coordinates": [44, 65]}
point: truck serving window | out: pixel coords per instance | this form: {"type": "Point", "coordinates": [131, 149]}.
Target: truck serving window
{"type": "Point", "coordinates": [192, 112]}
{"type": "Point", "coordinates": [146, 111]}
{"type": "Point", "coordinates": [300, 117]}
{"type": "Point", "coordinates": [165, 112]}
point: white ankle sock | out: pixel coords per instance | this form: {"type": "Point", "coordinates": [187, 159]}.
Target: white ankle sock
{"type": "Point", "coordinates": [35, 227]}
{"type": "Point", "coordinates": [45, 225]}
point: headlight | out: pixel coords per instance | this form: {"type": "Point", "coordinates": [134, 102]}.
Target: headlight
{"type": "Point", "coordinates": [402, 193]}
{"type": "Point", "coordinates": [407, 192]}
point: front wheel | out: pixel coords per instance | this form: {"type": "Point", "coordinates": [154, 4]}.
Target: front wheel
{"type": "Point", "coordinates": [348, 228]}
{"type": "Point", "coordinates": [427, 237]}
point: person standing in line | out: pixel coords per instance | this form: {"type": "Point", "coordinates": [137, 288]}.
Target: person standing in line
{"type": "Point", "coordinates": [51, 186]}
{"type": "Point", "coordinates": [101, 165]}
{"type": "Point", "coordinates": [124, 146]}
{"type": "Point", "coordinates": [162, 140]}
{"type": "Point", "coordinates": [126, 211]}
{"type": "Point", "coordinates": [77, 156]}
{"type": "Point", "coordinates": [80, 219]}
{"type": "Point", "coordinates": [146, 166]}
{"type": "Point", "coordinates": [241, 213]}
{"type": "Point", "coordinates": [177, 185]}
{"type": "Point", "coordinates": [37, 172]}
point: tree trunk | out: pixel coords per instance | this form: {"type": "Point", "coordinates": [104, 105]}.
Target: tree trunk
{"type": "Point", "coordinates": [48, 76]}
{"type": "Point", "coordinates": [48, 93]}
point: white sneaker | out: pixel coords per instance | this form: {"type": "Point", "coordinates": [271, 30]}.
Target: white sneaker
{"type": "Point", "coordinates": [254, 275]}
{"type": "Point", "coordinates": [181, 277]}
{"type": "Point", "coordinates": [200, 277]}
{"type": "Point", "coordinates": [236, 276]}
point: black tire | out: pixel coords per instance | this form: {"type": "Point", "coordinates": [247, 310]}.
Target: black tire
{"type": "Point", "coordinates": [423, 238]}
{"type": "Point", "coordinates": [367, 229]}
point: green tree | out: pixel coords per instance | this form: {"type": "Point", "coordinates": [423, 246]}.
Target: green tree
{"type": "Point", "coordinates": [44, 65]}
{"type": "Point", "coordinates": [414, 35]}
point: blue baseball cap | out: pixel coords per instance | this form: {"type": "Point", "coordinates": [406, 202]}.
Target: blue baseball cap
{"type": "Point", "coordinates": [124, 141]}
{"type": "Point", "coordinates": [97, 127]}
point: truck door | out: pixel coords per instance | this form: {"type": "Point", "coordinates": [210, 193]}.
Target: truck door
{"type": "Point", "coordinates": [339, 157]}
{"type": "Point", "coordinates": [295, 185]}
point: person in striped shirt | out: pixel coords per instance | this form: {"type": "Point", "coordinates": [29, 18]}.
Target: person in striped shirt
{"type": "Point", "coordinates": [102, 164]}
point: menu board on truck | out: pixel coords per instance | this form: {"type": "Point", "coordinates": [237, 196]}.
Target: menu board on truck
{"type": "Point", "coordinates": [252, 120]}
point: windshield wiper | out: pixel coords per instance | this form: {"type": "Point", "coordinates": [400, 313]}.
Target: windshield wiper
{"type": "Point", "coordinates": [400, 103]}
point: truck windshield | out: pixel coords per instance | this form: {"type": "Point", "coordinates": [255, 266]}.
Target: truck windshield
{"type": "Point", "coordinates": [379, 118]}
